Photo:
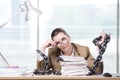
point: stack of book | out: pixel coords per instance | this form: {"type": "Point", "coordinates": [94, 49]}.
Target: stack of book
{"type": "Point", "coordinates": [74, 65]}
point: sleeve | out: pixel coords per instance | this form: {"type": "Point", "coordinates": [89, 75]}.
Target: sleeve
{"type": "Point", "coordinates": [39, 57]}
{"type": "Point", "coordinates": [40, 62]}
{"type": "Point", "coordinates": [91, 60]}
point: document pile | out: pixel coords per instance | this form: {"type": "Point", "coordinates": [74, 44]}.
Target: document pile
{"type": "Point", "coordinates": [72, 65]}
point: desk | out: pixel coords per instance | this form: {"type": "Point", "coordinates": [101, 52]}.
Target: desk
{"type": "Point", "coordinates": [52, 77]}
{"type": "Point", "coordinates": [23, 74]}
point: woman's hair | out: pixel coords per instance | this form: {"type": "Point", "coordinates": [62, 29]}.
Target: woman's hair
{"type": "Point", "coordinates": [56, 31]}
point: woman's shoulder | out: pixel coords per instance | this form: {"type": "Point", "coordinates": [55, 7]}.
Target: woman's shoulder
{"type": "Point", "coordinates": [79, 45]}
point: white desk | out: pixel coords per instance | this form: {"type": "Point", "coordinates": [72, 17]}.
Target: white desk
{"type": "Point", "coordinates": [29, 76]}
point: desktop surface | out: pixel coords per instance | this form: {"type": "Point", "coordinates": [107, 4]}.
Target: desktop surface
{"type": "Point", "coordinates": [58, 77]}
{"type": "Point", "coordinates": [27, 74]}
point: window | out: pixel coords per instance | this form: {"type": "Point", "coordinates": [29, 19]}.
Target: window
{"type": "Point", "coordinates": [82, 19]}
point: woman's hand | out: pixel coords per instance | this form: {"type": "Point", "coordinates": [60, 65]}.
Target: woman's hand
{"type": "Point", "coordinates": [103, 34]}
{"type": "Point", "coordinates": [48, 43]}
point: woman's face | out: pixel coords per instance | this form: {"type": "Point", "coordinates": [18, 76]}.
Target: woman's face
{"type": "Point", "coordinates": [62, 41]}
